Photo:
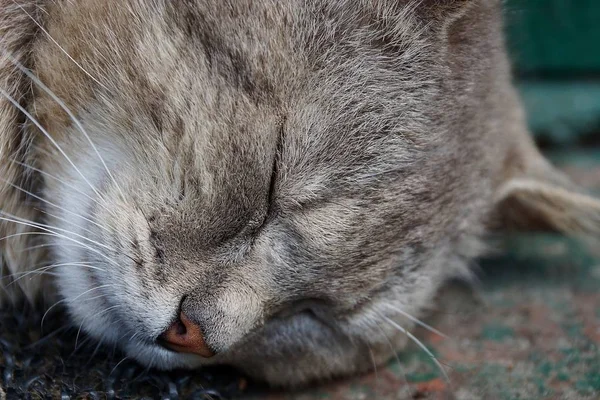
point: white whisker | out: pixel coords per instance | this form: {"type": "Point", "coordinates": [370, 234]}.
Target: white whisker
{"type": "Point", "coordinates": [70, 300]}
{"type": "Point", "coordinates": [79, 332]}
{"type": "Point", "coordinates": [100, 343]}
{"type": "Point", "coordinates": [44, 270]}
{"type": "Point", "coordinates": [53, 205]}
{"type": "Point", "coordinates": [24, 234]}
{"type": "Point", "coordinates": [61, 236]}
{"type": "Point", "coordinates": [46, 174]}
{"type": "Point", "coordinates": [45, 132]}
{"type": "Point", "coordinates": [418, 321]}
{"type": "Point", "coordinates": [420, 344]}
{"type": "Point", "coordinates": [63, 209]}
{"type": "Point", "coordinates": [51, 229]}
{"type": "Point", "coordinates": [81, 345]}
{"type": "Point", "coordinates": [44, 245]}
{"type": "Point", "coordinates": [39, 246]}
{"type": "Point", "coordinates": [395, 354]}
{"type": "Point", "coordinates": [82, 228]}
{"type": "Point", "coordinates": [95, 297]}
{"type": "Point", "coordinates": [85, 318]}
{"type": "Point", "coordinates": [67, 221]}
{"type": "Point", "coordinates": [59, 46]}
{"type": "Point", "coordinates": [72, 116]}
{"type": "Point", "coordinates": [116, 366]}
{"type": "Point", "coordinates": [106, 309]}
{"type": "Point", "coordinates": [374, 368]}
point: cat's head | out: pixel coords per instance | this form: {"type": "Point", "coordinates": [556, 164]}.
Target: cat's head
{"type": "Point", "coordinates": [277, 184]}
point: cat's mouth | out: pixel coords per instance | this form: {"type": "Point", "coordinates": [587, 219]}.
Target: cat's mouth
{"type": "Point", "coordinates": [289, 329]}
{"type": "Point", "coordinates": [316, 307]}
{"type": "Point", "coordinates": [152, 355]}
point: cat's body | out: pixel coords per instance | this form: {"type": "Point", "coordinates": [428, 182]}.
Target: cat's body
{"type": "Point", "coordinates": [289, 175]}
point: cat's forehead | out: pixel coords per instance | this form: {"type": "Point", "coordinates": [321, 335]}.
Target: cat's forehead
{"type": "Point", "coordinates": [132, 44]}
{"type": "Point", "coordinates": [221, 82]}
{"type": "Point", "coordinates": [262, 52]}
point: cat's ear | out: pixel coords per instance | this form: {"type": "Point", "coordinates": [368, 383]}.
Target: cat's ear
{"type": "Point", "coordinates": [531, 204]}
{"type": "Point", "coordinates": [540, 198]}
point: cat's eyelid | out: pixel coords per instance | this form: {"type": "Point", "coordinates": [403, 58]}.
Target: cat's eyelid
{"type": "Point", "coordinates": [273, 181]}
{"type": "Point", "coordinates": [274, 171]}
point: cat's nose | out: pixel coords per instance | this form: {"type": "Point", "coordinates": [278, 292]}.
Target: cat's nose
{"type": "Point", "coordinates": [185, 336]}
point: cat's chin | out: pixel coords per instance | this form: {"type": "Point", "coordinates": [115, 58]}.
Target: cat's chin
{"type": "Point", "coordinates": [155, 356]}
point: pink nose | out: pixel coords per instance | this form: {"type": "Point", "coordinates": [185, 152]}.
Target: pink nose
{"type": "Point", "coordinates": [185, 336]}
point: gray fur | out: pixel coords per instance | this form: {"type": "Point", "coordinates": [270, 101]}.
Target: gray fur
{"type": "Point", "coordinates": [288, 171]}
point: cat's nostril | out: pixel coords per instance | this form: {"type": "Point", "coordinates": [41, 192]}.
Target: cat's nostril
{"type": "Point", "coordinates": [185, 336]}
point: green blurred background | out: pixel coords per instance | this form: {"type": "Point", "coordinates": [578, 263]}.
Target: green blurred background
{"type": "Point", "coordinates": [555, 45]}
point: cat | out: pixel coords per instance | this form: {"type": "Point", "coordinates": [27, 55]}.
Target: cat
{"type": "Point", "coordinates": [277, 185]}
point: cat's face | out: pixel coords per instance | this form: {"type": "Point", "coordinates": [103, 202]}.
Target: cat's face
{"type": "Point", "coordinates": [287, 175]}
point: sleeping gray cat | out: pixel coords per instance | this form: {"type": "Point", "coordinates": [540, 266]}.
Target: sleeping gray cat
{"type": "Point", "coordinates": [279, 185]}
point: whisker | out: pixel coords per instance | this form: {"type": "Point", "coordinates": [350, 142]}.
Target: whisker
{"type": "Point", "coordinates": [53, 205]}
{"type": "Point", "coordinates": [95, 352]}
{"type": "Point", "coordinates": [41, 246]}
{"type": "Point", "coordinates": [61, 236]}
{"type": "Point", "coordinates": [19, 275]}
{"type": "Point", "coordinates": [374, 368]}
{"type": "Point", "coordinates": [95, 297]}
{"type": "Point", "coordinates": [67, 221]}
{"type": "Point", "coordinates": [85, 318]}
{"type": "Point", "coordinates": [59, 46]}
{"type": "Point", "coordinates": [79, 333]}
{"type": "Point", "coordinates": [116, 366]}
{"type": "Point", "coordinates": [72, 116]}
{"type": "Point", "coordinates": [51, 229]}
{"type": "Point", "coordinates": [24, 234]}
{"type": "Point", "coordinates": [106, 309]}
{"type": "Point", "coordinates": [45, 132]}
{"type": "Point", "coordinates": [79, 346]}
{"type": "Point", "coordinates": [38, 225]}
{"type": "Point", "coordinates": [417, 321]}
{"type": "Point", "coordinates": [418, 343]}
{"type": "Point", "coordinates": [46, 338]}
{"type": "Point", "coordinates": [65, 230]}
{"type": "Point", "coordinates": [69, 300]}
{"type": "Point", "coordinates": [399, 363]}
{"type": "Point", "coordinates": [83, 321]}
{"type": "Point", "coordinates": [44, 271]}
{"type": "Point", "coordinates": [82, 228]}
{"type": "Point", "coordinates": [45, 263]}
{"type": "Point", "coordinates": [46, 174]}
{"type": "Point", "coordinates": [50, 273]}
{"type": "Point", "coordinates": [77, 264]}
{"type": "Point", "coordinates": [134, 336]}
